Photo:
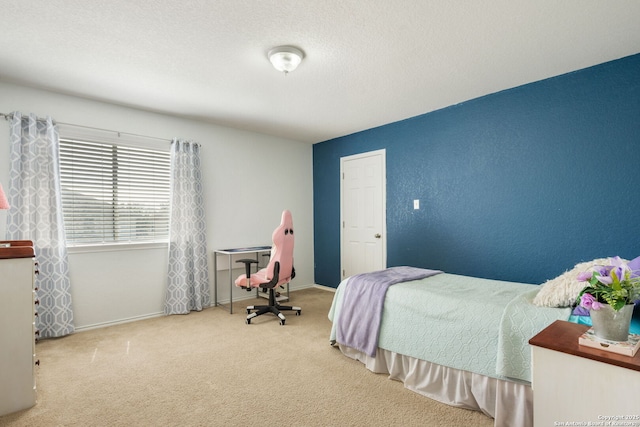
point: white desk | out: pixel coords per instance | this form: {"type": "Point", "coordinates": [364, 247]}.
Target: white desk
{"type": "Point", "coordinates": [229, 253]}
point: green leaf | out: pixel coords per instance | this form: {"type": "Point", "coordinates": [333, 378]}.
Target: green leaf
{"type": "Point", "coordinates": [617, 305]}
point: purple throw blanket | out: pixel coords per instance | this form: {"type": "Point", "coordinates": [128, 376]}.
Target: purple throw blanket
{"type": "Point", "coordinates": [359, 321]}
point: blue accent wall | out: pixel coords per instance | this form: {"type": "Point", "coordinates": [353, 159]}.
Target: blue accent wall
{"type": "Point", "coordinates": [519, 185]}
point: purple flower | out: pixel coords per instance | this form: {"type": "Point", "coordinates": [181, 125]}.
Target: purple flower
{"type": "Point", "coordinates": [602, 270]}
{"type": "Point", "coordinates": [620, 267]}
{"type": "Point", "coordinates": [587, 300]}
{"type": "Point", "coordinates": [607, 280]}
{"type": "Point", "coordinates": [616, 261]}
{"type": "Point", "coordinates": [584, 276]}
{"type": "Point", "coordinates": [634, 266]}
{"type": "Point", "coordinates": [603, 273]}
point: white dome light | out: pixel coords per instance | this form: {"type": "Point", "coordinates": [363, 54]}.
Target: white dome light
{"type": "Point", "coordinates": [285, 58]}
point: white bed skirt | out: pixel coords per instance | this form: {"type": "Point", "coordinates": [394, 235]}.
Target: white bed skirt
{"type": "Point", "coordinates": [509, 403]}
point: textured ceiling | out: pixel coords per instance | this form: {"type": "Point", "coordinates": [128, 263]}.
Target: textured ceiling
{"type": "Point", "coordinates": [368, 62]}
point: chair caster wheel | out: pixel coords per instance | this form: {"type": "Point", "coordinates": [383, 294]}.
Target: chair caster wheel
{"type": "Point", "coordinates": [298, 312]}
{"type": "Point", "coordinates": [281, 322]}
{"type": "Point", "coordinates": [248, 321]}
{"type": "Point", "coordinates": [248, 311]}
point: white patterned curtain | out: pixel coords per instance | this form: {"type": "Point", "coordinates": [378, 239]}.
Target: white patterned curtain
{"type": "Point", "coordinates": [36, 215]}
{"type": "Point", "coordinates": [188, 284]}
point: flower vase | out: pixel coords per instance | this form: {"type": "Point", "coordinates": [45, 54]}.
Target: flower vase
{"type": "Point", "coordinates": [612, 325]}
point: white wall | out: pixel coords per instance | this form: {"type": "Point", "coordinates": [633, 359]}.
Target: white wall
{"type": "Point", "coordinates": [249, 179]}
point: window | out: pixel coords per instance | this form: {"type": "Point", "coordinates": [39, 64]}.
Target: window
{"type": "Point", "coordinates": [114, 193]}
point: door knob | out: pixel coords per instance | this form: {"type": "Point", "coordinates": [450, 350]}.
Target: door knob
{"type": "Point", "coordinates": [377, 235]}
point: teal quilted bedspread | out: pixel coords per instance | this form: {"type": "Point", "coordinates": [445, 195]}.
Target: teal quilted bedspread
{"type": "Point", "coordinates": [466, 323]}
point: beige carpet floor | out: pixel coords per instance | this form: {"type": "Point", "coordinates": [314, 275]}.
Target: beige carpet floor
{"type": "Point", "coordinates": [211, 369]}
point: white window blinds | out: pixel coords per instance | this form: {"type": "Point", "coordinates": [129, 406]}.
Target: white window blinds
{"type": "Point", "coordinates": [114, 193]}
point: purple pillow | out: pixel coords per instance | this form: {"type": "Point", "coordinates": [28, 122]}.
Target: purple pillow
{"type": "Point", "coordinates": [580, 311]}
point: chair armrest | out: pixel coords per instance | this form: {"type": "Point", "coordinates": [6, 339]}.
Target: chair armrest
{"type": "Point", "coordinates": [248, 261]}
{"type": "Point", "coordinates": [247, 267]}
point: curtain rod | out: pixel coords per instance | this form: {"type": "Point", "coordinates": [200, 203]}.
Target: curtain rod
{"type": "Point", "coordinates": [10, 116]}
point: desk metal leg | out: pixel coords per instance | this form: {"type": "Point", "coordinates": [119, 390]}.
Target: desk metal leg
{"type": "Point", "coordinates": [215, 279]}
{"type": "Point", "coordinates": [216, 282]}
{"type": "Point", "coordinates": [230, 287]}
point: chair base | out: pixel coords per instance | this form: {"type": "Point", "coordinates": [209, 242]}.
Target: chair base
{"type": "Point", "coordinates": [273, 307]}
{"type": "Point", "coordinates": [262, 309]}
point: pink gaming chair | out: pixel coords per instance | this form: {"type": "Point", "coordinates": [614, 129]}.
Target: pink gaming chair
{"type": "Point", "coordinates": [278, 272]}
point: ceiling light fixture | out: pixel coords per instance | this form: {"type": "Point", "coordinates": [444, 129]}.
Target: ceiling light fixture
{"type": "Point", "coordinates": [285, 58]}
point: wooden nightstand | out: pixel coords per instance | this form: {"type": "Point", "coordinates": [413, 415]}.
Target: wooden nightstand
{"type": "Point", "coordinates": [575, 385]}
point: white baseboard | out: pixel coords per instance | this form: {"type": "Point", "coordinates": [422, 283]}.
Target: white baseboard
{"type": "Point", "coordinates": [325, 288]}
{"type": "Point", "coordinates": [250, 295]}
{"type": "Point", "coordinates": [117, 322]}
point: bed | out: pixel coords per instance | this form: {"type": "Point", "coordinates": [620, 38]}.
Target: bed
{"type": "Point", "coordinates": [456, 339]}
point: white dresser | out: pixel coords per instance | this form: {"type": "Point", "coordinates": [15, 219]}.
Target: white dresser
{"type": "Point", "coordinates": [577, 385]}
{"type": "Point", "coordinates": [17, 327]}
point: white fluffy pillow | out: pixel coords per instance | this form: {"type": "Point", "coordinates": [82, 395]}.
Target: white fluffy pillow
{"type": "Point", "coordinates": [564, 289]}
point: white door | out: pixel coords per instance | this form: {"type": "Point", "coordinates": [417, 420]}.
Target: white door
{"type": "Point", "coordinates": [363, 213]}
